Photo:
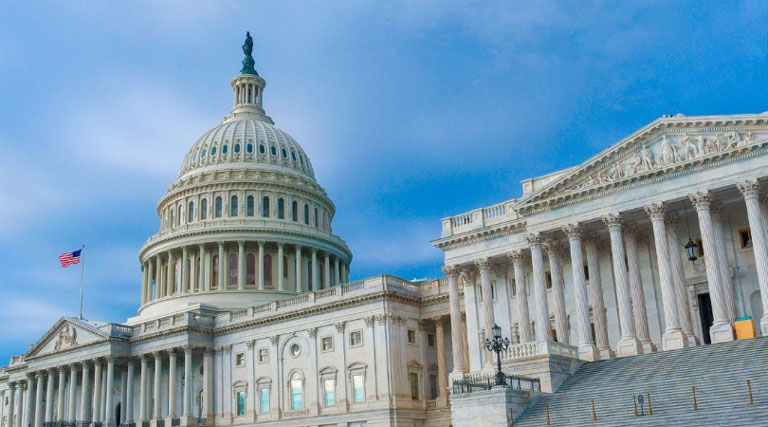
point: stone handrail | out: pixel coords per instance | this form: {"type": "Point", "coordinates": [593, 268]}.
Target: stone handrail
{"type": "Point", "coordinates": [479, 218]}
{"type": "Point", "coordinates": [535, 349]}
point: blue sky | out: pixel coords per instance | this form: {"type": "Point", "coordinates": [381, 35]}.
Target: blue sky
{"type": "Point", "coordinates": [410, 111]}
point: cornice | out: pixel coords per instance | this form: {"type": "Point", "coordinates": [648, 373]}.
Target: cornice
{"type": "Point", "coordinates": [480, 235]}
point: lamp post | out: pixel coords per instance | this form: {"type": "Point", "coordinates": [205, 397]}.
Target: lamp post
{"type": "Point", "coordinates": [497, 345]}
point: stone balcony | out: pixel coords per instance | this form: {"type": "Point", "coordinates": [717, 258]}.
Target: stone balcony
{"type": "Point", "coordinates": [479, 218]}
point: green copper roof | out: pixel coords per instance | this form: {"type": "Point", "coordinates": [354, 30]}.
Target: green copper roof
{"type": "Point", "coordinates": [248, 61]}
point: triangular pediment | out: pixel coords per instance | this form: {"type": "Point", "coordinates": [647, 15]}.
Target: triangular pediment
{"type": "Point", "coordinates": [68, 333]}
{"type": "Point", "coordinates": [664, 146]}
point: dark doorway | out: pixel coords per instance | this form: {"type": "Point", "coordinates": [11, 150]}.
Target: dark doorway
{"type": "Point", "coordinates": [705, 314]}
{"type": "Point", "coordinates": [118, 413]}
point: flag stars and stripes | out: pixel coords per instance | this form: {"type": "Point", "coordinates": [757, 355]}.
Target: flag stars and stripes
{"type": "Point", "coordinates": [68, 258]}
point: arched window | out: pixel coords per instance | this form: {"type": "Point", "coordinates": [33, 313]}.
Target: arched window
{"type": "Point", "coordinates": [237, 148]}
{"type": "Point", "coordinates": [315, 217]}
{"type": "Point", "coordinates": [265, 207]}
{"type": "Point", "coordinates": [180, 215]}
{"type": "Point", "coordinates": [225, 149]}
{"type": "Point", "coordinates": [249, 148]}
{"type": "Point", "coordinates": [217, 214]}
{"type": "Point", "coordinates": [233, 206]}
{"type": "Point", "coordinates": [294, 211]}
{"type": "Point", "coordinates": [215, 271]}
{"type": "Point", "coordinates": [281, 208]}
{"type": "Point", "coordinates": [273, 150]}
{"type": "Point", "coordinates": [268, 270]}
{"type": "Point", "coordinates": [204, 209]}
{"type": "Point", "coordinates": [232, 270]}
{"type": "Point", "coordinates": [297, 391]}
{"type": "Point", "coordinates": [306, 214]}
{"type": "Point", "coordinates": [191, 212]}
{"type": "Point", "coordinates": [249, 206]}
{"type": "Point", "coordinates": [250, 267]}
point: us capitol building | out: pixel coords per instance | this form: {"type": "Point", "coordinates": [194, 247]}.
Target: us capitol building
{"type": "Point", "coordinates": [247, 315]}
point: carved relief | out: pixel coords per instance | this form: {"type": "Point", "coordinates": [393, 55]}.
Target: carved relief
{"type": "Point", "coordinates": [67, 338]}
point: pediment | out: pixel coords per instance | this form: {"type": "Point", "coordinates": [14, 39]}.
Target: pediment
{"type": "Point", "coordinates": [662, 147]}
{"type": "Point", "coordinates": [68, 333]}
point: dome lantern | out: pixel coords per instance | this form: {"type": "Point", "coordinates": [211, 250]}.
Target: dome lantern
{"type": "Point", "coordinates": [247, 88]}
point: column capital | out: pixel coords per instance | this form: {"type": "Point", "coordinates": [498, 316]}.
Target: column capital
{"type": "Point", "coordinates": [573, 230]}
{"type": "Point", "coordinates": [261, 243]}
{"type": "Point", "coordinates": [314, 251]}
{"type": "Point", "coordinates": [592, 239]}
{"type": "Point", "coordinates": [655, 210]}
{"type": "Point", "coordinates": [241, 242]}
{"type": "Point", "coordinates": [209, 351]}
{"type": "Point", "coordinates": [467, 277]}
{"type": "Point", "coordinates": [749, 188]}
{"type": "Point", "coordinates": [612, 220]}
{"type": "Point", "coordinates": [451, 271]}
{"type": "Point", "coordinates": [717, 209]}
{"type": "Point", "coordinates": [534, 239]}
{"type": "Point", "coordinates": [439, 319]}
{"type": "Point", "coordinates": [516, 256]}
{"type": "Point", "coordinates": [280, 244]}
{"type": "Point", "coordinates": [311, 331]}
{"type": "Point", "coordinates": [220, 242]}
{"type": "Point", "coordinates": [700, 199]}
{"type": "Point", "coordinates": [483, 264]}
{"type": "Point", "coordinates": [552, 247]}
{"type": "Point", "coordinates": [186, 349]}
{"type": "Point", "coordinates": [339, 326]}
{"type": "Point", "coordinates": [274, 339]}
{"type": "Point", "coordinates": [250, 344]}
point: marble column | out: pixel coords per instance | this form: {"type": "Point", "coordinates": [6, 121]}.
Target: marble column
{"type": "Point", "coordinates": [172, 384]}
{"type": "Point", "coordinates": [261, 265]}
{"type": "Point", "coordinates": [489, 319]}
{"type": "Point", "coordinates": [156, 406]}
{"type": "Point", "coordinates": [442, 370]}
{"type": "Point", "coordinates": [61, 391]}
{"type": "Point", "coordinates": [203, 283]}
{"type": "Point", "coordinates": [123, 394]}
{"type": "Point", "coordinates": [27, 405]}
{"type": "Point", "coordinates": [721, 329]}
{"type": "Point", "coordinates": [185, 285]}
{"type": "Point", "coordinates": [299, 278]}
{"type": "Point", "coordinates": [171, 274]}
{"type": "Point", "coordinates": [241, 273]}
{"type": "Point", "coordinates": [628, 344]}
{"type": "Point", "coordinates": [587, 349]}
{"type": "Point", "coordinates": [96, 401]}
{"type": "Point", "coordinates": [49, 396]}
{"type": "Point", "coordinates": [16, 403]}
{"type": "Point", "coordinates": [678, 279]}
{"type": "Point", "coordinates": [598, 303]}
{"type": "Point", "coordinates": [144, 275]}
{"type": "Point", "coordinates": [636, 288]}
{"type": "Point", "coordinates": [188, 381]}
{"type": "Point", "coordinates": [673, 336]}
{"type": "Point", "coordinates": [39, 415]}
{"type": "Point", "coordinates": [71, 414]}
{"type": "Point", "coordinates": [722, 261]}
{"type": "Point", "coordinates": [336, 271]}
{"type": "Point", "coordinates": [539, 289]}
{"type": "Point", "coordinates": [521, 297]}
{"type": "Point", "coordinates": [208, 384]}
{"type": "Point", "coordinates": [129, 393]}
{"type": "Point", "coordinates": [158, 276]}
{"type": "Point", "coordinates": [457, 345]}
{"type": "Point", "coordinates": [109, 415]}
{"type": "Point", "coordinates": [313, 280]}
{"type": "Point", "coordinates": [222, 276]}
{"type": "Point", "coordinates": [85, 394]}
{"type": "Point", "coordinates": [194, 284]}
{"type": "Point", "coordinates": [326, 270]}
{"type": "Point", "coordinates": [558, 296]}
{"type": "Point", "coordinates": [143, 416]}
{"type": "Point", "coordinates": [12, 402]}
{"type": "Point", "coordinates": [280, 267]}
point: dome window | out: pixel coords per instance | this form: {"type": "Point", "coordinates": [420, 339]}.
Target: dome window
{"type": "Point", "coordinates": [237, 148]}
{"type": "Point", "coordinates": [213, 151]}
{"type": "Point", "coordinates": [306, 214]}
{"type": "Point", "coordinates": [204, 209]}
{"type": "Point", "coordinates": [285, 154]}
{"type": "Point", "coordinates": [281, 208]}
{"type": "Point", "coordinates": [262, 150]}
{"type": "Point", "coordinates": [224, 149]}
{"type": "Point", "coordinates": [217, 214]}
{"type": "Point", "coordinates": [195, 156]}
{"type": "Point", "coordinates": [233, 206]}
{"type": "Point", "coordinates": [191, 212]}
{"type": "Point", "coordinates": [293, 156]}
{"type": "Point", "coordinates": [273, 150]}
{"type": "Point", "coordinates": [249, 148]}
{"type": "Point", "coordinates": [202, 155]}
{"type": "Point", "coordinates": [265, 207]}
{"type": "Point", "coordinates": [249, 206]}
{"type": "Point", "coordinates": [302, 159]}
{"type": "Point", "coordinates": [295, 211]}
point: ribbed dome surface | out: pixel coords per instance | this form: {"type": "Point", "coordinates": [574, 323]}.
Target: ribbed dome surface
{"type": "Point", "coordinates": [247, 142]}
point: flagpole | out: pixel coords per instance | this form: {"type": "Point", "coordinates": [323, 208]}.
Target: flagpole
{"type": "Point", "coordinates": [82, 277]}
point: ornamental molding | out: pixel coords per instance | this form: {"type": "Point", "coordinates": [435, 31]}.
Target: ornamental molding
{"type": "Point", "coordinates": [481, 235]}
{"type": "Point", "coordinates": [663, 149]}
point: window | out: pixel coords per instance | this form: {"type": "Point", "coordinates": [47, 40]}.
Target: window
{"type": "Point", "coordinates": [250, 268]}
{"type": "Point", "coordinates": [433, 386]}
{"type": "Point", "coordinates": [273, 150]}
{"type": "Point", "coordinates": [294, 211]}
{"type": "Point", "coordinates": [306, 214]}
{"type": "Point", "coordinates": [548, 276]}
{"type": "Point", "coordinates": [586, 272]}
{"type": "Point", "coordinates": [232, 273]}
{"type": "Point", "coordinates": [237, 148]}
{"type": "Point", "coordinates": [285, 153]}
{"type": "Point", "coordinates": [202, 155]}
{"type": "Point", "coordinates": [191, 212]}
{"type": "Point", "coordinates": [358, 388]}
{"type": "Point", "coordinates": [329, 391]}
{"type": "Point", "coordinates": [302, 159]}
{"type": "Point", "coordinates": [249, 206]}
{"type": "Point", "coordinates": [700, 247]}
{"type": "Point", "coordinates": [296, 391]}
{"type": "Point", "coordinates": [204, 209]}
{"type": "Point", "coordinates": [217, 214]}
{"type": "Point", "coordinates": [745, 238]}
{"type": "Point", "coordinates": [293, 156]}
{"type": "Point", "coordinates": [315, 217]}
{"type": "Point", "coordinates": [213, 151]}
{"type": "Point", "coordinates": [249, 148]}
{"type": "Point", "coordinates": [295, 350]}
{"type": "Point", "coordinates": [356, 338]}
{"type": "Point", "coordinates": [262, 150]}
{"type": "Point", "coordinates": [411, 336]}
{"type": "Point", "coordinates": [413, 378]}
{"type": "Point", "coordinates": [268, 270]}
{"type": "Point", "coordinates": [240, 360]}
{"type": "Point", "coordinates": [225, 149]}
{"type": "Point", "coordinates": [281, 208]}
{"type": "Point", "coordinates": [263, 355]}
{"type": "Point", "coordinates": [264, 400]}
{"type": "Point", "coordinates": [327, 344]}
{"type": "Point", "coordinates": [215, 271]}
{"type": "Point", "coordinates": [430, 340]}
{"type": "Point", "coordinates": [265, 207]}
{"type": "Point", "coordinates": [233, 206]}
{"type": "Point", "coordinates": [240, 396]}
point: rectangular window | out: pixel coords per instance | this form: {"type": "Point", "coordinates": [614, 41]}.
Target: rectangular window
{"type": "Point", "coordinates": [264, 400]}
{"type": "Point", "coordinates": [263, 355]}
{"type": "Point", "coordinates": [700, 247]}
{"type": "Point", "coordinates": [329, 391]}
{"type": "Point", "coordinates": [240, 359]}
{"type": "Point", "coordinates": [413, 377]}
{"type": "Point", "coordinates": [745, 238]}
{"type": "Point", "coordinates": [240, 403]}
{"type": "Point", "coordinates": [356, 338]}
{"type": "Point", "coordinates": [411, 336]}
{"type": "Point", "coordinates": [358, 388]}
{"type": "Point", "coordinates": [430, 340]}
{"type": "Point", "coordinates": [549, 280]}
{"type": "Point", "coordinates": [433, 386]}
{"type": "Point", "coordinates": [327, 344]}
{"type": "Point", "coordinates": [586, 272]}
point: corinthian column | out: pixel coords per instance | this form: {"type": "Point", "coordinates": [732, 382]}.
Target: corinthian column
{"type": "Point", "coordinates": [721, 329]}
{"type": "Point", "coordinates": [457, 346]}
{"type": "Point", "coordinates": [171, 384]}
{"type": "Point", "coordinates": [61, 393]}
{"type": "Point", "coordinates": [156, 406]}
{"type": "Point", "coordinates": [280, 267]}
{"type": "Point", "coordinates": [558, 297]}
{"type": "Point", "coordinates": [171, 274]}
{"type": "Point", "coordinates": [638, 295]}
{"type": "Point", "coordinates": [12, 403]}
{"type": "Point", "coordinates": [673, 337]}
{"type": "Point", "coordinates": [72, 416]}
{"type": "Point", "coordinates": [185, 282]}
{"type": "Point", "coordinates": [678, 279]}
{"type": "Point", "coordinates": [442, 372]}
{"type": "Point", "coordinates": [202, 281]}
{"type": "Point", "coordinates": [521, 297]}
{"type": "Point", "coordinates": [628, 344]}
{"type": "Point", "coordinates": [109, 416]}
{"type": "Point", "coordinates": [143, 390]}
{"type": "Point", "coordinates": [48, 397]}
{"type": "Point", "coordinates": [85, 394]}
{"type": "Point", "coordinates": [587, 349]}
{"type": "Point", "coordinates": [722, 261]}
{"type": "Point", "coordinates": [188, 380]}
{"type": "Point", "coordinates": [299, 279]}
{"type": "Point", "coordinates": [539, 289]}
{"type": "Point", "coordinates": [598, 303]}
{"type": "Point", "coordinates": [129, 393]}
{"type": "Point", "coordinates": [489, 320]}
{"type": "Point", "coordinates": [223, 275]}
{"type": "Point", "coordinates": [241, 273]}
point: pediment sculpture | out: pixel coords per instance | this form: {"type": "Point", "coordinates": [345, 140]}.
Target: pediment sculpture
{"type": "Point", "coordinates": [67, 337]}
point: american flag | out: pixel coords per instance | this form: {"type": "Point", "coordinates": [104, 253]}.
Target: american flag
{"type": "Point", "coordinates": [68, 258]}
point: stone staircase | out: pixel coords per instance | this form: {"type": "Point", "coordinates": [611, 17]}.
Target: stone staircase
{"type": "Point", "coordinates": [719, 372]}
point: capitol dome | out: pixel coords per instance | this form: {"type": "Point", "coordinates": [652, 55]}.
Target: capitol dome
{"type": "Point", "coordinates": [245, 222]}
